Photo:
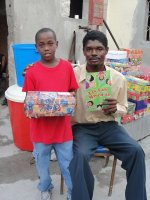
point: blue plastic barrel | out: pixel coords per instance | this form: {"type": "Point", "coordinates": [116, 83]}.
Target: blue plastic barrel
{"type": "Point", "coordinates": [24, 54]}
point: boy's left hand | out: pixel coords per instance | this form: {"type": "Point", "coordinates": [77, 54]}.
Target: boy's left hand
{"type": "Point", "coordinates": [109, 106]}
{"type": "Point", "coordinates": [73, 92]}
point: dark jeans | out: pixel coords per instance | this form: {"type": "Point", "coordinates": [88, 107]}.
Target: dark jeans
{"type": "Point", "coordinates": [87, 137]}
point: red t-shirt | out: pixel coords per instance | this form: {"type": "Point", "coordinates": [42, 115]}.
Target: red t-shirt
{"type": "Point", "coordinates": [59, 78]}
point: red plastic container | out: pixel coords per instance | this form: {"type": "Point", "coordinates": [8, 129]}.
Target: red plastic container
{"type": "Point", "coordinates": [19, 122]}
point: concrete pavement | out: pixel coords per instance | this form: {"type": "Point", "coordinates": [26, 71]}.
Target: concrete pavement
{"type": "Point", "coordinates": [18, 178]}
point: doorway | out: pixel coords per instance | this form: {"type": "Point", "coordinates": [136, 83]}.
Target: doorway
{"type": "Point", "coordinates": [3, 28]}
{"type": "Point", "coordinates": [3, 47]}
{"type": "Point", "coordinates": [76, 8]}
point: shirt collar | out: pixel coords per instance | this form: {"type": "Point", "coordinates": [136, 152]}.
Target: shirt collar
{"type": "Point", "coordinates": [82, 73]}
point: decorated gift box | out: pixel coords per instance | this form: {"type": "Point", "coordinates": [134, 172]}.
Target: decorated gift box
{"type": "Point", "coordinates": [137, 96]}
{"type": "Point", "coordinates": [131, 108]}
{"type": "Point", "coordinates": [135, 56]}
{"type": "Point", "coordinates": [148, 108]}
{"type": "Point", "coordinates": [117, 60]}
{"type": "Point", "coordinates": [137, 84]}
{"type": "Point", "coordinates": [135, 71]}
{"type": "Point", "coordinates": [43, 104]}
{"type": "Point", "coordinates": [135, 61]}
{"type": "Point", "coordinates": [144, 77]}
{"type": "Point", "coordinates": [138, 88]}
{"type": "Point", "coordinates": [139, 113]}
{"type": "Point", "coordinates": [139, 104]}
{"type": "Point", "coordinates": [120, 67]}
{"type": "Point", "coordinates": [116, 55]}
{"type": "Point", "coordinates": [118, 119]}
{"type": "Point", "coordinates": [127, 118]}
{"type": "Point", "coordinates": [138, 81]}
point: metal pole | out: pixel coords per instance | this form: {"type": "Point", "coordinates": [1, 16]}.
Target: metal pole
{"type": "Point", "coordinates": [111, 34]}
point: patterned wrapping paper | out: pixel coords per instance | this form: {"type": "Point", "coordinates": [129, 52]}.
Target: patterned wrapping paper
{"type": "Point", "coordinates": [134, 72]}
{"type": "Point", "coordinates": [116, 55]}
{"type": "Point", "coordinates": [137, 96]}
{"type": "Point", "coordinates": [44, 104]}
{"type": "Point", "coordinates": [138, 81]}
{"type": "Point", "coordinates": [117, 60]}
{"type": "Point", "coordinates": [138, 88]}
{"type": "Point", "coordinates": [135, 56]}
{"type": "Point", "coordinates": [140, 105]}
{"type": "Point", "coordinates": [148, 108]}
{"type": "Point", "coordinates": [125, 68]}
{"type": "Point", "coordinates": [118, 119]}
{"type": "Point", "coordinates": [127, 118]}
{"type": "Point", "coordinates": [138, 85]}
{"type": "Point", "coordinates": [120, 61]}
{"type": "Point", "coordinates": [135, 61]}
{"type": "Point", "coordinates": [131, 108]}
{"type": "Point", "coordinates": [115, 65]}
{"type": "Point", "coordinates": [120, 67]}
{"type": "Point", "coordinates": [140, 113]}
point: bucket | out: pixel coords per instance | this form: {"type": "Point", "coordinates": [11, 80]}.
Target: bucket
{"type": "Point", "coordinates": [24, 54]}
{"type": "Point", "coordinates": [20, 124]}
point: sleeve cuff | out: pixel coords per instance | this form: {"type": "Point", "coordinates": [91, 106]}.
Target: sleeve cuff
{"type": "Point", "coordinates": [121, 110]}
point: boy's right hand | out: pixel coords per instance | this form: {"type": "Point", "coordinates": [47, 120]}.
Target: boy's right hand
{"type": "Point", "coordinates": [25, 69]}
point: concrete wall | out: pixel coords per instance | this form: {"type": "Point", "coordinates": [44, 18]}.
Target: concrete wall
{"type": "Point", "coordinates": [126, 20]}
{"type": "Point", "coordinates": [26, 17]}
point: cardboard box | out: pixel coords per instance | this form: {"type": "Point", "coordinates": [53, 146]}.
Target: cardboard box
{"type": "Point", "coordinates": [127, 118]}
{"type": "Point", "coordinates": [137, 96]}
{"type": "Point", "coordinates": [131, 108]}
{"type": "Point", "coordinates": [140, 105]}
{"type": "Point", "coordinates": [44, 104]}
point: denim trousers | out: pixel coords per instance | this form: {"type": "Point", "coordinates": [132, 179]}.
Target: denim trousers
{"type": "Point", "coordinates": [42, 154]}
{"type": "Point", "coordinates": [87, 137]}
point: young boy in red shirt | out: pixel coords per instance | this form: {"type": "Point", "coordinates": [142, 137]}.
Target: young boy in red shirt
{"type": "Point", "coordinates": [55, 75]}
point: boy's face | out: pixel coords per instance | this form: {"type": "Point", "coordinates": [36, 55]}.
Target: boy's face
{"type": "Point", "coordinates": [46, 45]}
{"type": "Point", "coordinates": [95, 53]}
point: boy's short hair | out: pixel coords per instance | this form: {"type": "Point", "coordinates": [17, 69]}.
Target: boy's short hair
{"type": "Point", "coordinates": [95, 35]}
{"type": "Point", "coordinates": [44, 30]}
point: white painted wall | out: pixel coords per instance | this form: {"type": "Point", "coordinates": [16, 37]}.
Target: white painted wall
{"type": "Point", "coordinates": [29, 16]}
{"type": "Point", "coordinates": [38, 14]}
{"type": "Point", "coordinates": [126, 20]}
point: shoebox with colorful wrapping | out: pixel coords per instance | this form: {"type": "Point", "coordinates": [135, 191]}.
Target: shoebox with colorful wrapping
{"type": "Point", "coordinates": [135, 56]}
{"type": "Point", "coordinates": [139, 113]}
{"type": "Point", "coordinates": [137, 96]}
{"type": "Point", "coordinates": [138, 85]}
{"type": "Point", "coordinates": [44, 104]}
{"type": "Point", "coordinates": [138, 89]}
{"type": "Point", "coordinates": [140, 105]}
{"type": "Point", "coordinates": [146, 77]}
{"type": "Point", "coordinates": [148, 108]}
{"type": "Point", "coordinates": [129, 117]}
{"type": "Point", "coordinates": [117, 60]}
{"type": "Point", "coordinates": [126, 61]}
{"type": "Point", "coordinates": [131, 108]}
